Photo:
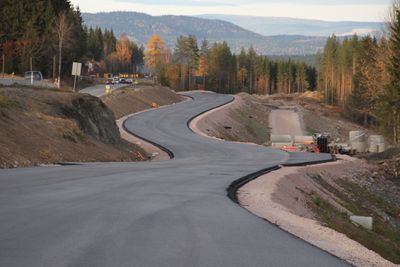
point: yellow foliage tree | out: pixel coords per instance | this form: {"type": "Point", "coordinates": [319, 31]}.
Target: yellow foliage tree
{"type": "Point", "coordinates": [173, 75]}
{"type": "Point", "coordinates": [155, 51]}
{"type": "Point", "coordinates": [124, 54]}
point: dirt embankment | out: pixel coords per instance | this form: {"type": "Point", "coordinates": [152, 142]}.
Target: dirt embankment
{"type": "Point", "coordinates": [315, 116]}
{"type": "Point", "coordinates": [246, 120]}
{"type": "Point", "coordinates": [134, 99]}
{"type": "Point", "coordinates": [249, 120]}
{"type": "Point", "coordinates": [46, 127]}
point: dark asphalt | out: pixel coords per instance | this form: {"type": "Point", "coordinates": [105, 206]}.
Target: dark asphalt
{"type": "Point", "coordinates": [173, 213]}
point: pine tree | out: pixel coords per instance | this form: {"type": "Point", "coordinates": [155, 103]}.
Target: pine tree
{"type": "Point", "coordinates": [391, 97]}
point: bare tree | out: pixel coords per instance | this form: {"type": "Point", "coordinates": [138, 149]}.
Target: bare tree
{"type": "Point", "coordinates": [63, 30]}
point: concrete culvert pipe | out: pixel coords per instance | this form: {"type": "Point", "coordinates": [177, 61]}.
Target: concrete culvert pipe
{"type": "Point", "coordinates": [360, 147]}
{"type": "Point", "coordinates": [280, 138]}
{"type": "Point", "coordinates": [357, 136]}
{"type": "Point", "coordinates": [358, 141]}
{"type": "Point", "coordinates": [376, 143]}
{"type": "Point", "coordinates": [366, 222]}
{"type": "Point", "coordinates": [374, 148]}
{"type": "Point", "coordinates": [376, 139]}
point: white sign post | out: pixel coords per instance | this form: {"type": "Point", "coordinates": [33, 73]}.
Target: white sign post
{"type": "Point", "coordinates": [76, 71]}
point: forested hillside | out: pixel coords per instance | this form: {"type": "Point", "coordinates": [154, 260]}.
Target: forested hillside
{"type": "Point", "coordinates": [269, 26]}
{"type": "Point", "coordinates": [140, 27]}
{"type": "Point", "coordinates": [48, 35]}
{"type": "Point", "coordinates": [29, 34]}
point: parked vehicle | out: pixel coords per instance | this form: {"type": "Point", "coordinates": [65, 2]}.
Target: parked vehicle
{"type": "Point", "coordinates": [129, 81]}
{"type": "Point", "coordinates": [116, 80]}
{"type": "Point", "coordinates": [109, 81]}
{"type": "Point", "coordinates": [37, 75]}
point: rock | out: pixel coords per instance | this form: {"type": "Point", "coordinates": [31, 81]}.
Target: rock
{"type": "Point", "coordinates": [93, 118]}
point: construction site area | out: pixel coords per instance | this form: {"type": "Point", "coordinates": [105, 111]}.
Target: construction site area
{"type": "Point", "coordinates": [348, 207]}
{"type": "Point", "coordinates": [357, 196]}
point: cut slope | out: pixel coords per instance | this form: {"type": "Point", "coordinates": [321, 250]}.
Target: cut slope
{"type": "Point", "coordinates": [246, 120]}
{"type": "Point", "coordinates": [133, 99]}
{"type": "Point", "coordinates": [46, 127]}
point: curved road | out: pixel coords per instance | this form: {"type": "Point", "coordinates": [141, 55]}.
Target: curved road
{"type": "Point", "coordinates": [171, 213]}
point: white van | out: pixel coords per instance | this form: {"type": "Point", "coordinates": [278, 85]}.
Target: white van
{"type": "Point", "coordinates": [37, 75]}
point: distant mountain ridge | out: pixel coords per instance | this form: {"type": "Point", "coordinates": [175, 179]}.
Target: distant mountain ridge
{"type": "Point", "coordinates": [269, 26]}
{"type": "Point", "coordinates": [140, 26]}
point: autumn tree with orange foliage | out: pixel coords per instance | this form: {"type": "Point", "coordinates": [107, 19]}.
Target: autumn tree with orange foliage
{"type": "Point", "coordinates": [124, 54]}
{"type": "Point", "coordinates": [155, 52]}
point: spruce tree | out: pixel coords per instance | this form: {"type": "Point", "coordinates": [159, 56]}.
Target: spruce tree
{"type": "Point", "coordinates": [392, 92]}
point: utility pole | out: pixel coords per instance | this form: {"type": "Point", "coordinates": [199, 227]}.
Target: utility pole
{"type": "Point", "coordinates": [31, 72]}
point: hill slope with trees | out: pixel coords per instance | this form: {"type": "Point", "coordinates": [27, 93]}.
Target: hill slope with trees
{"type": "Point", "coordinates": [140, 27]}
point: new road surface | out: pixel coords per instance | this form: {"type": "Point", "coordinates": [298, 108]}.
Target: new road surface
{"type": "Point", "coordinates": [170, 213]}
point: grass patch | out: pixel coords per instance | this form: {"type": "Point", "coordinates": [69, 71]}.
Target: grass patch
{"type": "Point", "coordinates": [6, 103]}
{"type": "Point", "coordinates": [63, 89]}
{"type": "Point", "coordinates": [251, 125]}
{"type": "Point", "coordinates": [385, 236]}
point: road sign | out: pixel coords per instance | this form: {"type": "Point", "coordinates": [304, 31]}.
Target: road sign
{"type": "Point", "coordinates": [76, 71]}
{"type": "Point", "coordinates": [76, 68]}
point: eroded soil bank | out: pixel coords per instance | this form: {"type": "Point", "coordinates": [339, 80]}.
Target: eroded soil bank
{"type": "Point", "coordinates": [39, 126]}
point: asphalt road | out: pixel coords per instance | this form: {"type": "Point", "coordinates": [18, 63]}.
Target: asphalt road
{"type": "Point", "coordinates": [171, 213]}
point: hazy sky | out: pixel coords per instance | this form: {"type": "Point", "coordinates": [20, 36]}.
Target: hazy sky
{"type": "Point", "coordinates": [334, 10]}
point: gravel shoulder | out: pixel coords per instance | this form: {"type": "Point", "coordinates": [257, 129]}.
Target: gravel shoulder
{"type": "Point", "coordinates": [277, 197]}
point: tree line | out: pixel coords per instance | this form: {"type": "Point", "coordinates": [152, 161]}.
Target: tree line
{"type": "Point", "coordinates": [214, 67]}
{"type": "Point", "coordinates": [114, 55]}
{"type": "Point", "coordinates": [30, 34]}
{"type": "Point", "coordinates": [362, 75]}
{"type": "Point", "coordinates": [48, 35]}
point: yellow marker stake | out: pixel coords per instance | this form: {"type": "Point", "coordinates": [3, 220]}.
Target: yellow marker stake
{"type": "Point", "coordinates": [107, 89]}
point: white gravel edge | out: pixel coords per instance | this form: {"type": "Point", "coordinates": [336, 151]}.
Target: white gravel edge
{"type": "Point", "coordinates": [257, 197]}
